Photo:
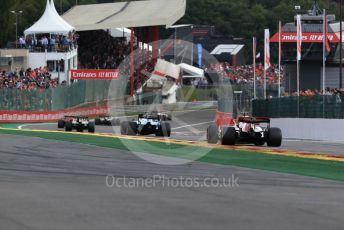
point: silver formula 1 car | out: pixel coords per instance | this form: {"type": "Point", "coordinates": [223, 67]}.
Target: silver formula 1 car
{"type": "Point", "coordinates": [147, 124]}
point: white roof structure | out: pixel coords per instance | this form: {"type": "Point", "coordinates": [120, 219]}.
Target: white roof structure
{"type": "Point", "coordinates": [50, 22]}
{"type": "Point", "coordinates": [126, 14]}
{"type": "Point", "coordinates": [120, 32]}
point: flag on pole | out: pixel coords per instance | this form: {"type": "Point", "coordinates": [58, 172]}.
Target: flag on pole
{"type": "Point", "coordinates": [299, 51]}
{"type": "Point", "coordinates": [279, 56]}
{"type": "Point", "coordinates": [254, 47]}
{"type": "Point", "coordinates": [280, 40]}
{"type": "Point", "coordinates": [299, 36]}
{"type": "Point", "coordinates": [267, 63]}
{"type": "Point", "coordinates": [327, 44]}
{"type": "Point", "coordinates": [326, 48]}
{"type": "Point", "coordinates": [254, 56]}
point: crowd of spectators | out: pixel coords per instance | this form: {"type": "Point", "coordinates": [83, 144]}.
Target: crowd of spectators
{"type": "Point", "coordinates": [310, 93]}
{"type": "Point", "coordinates": [199, 82]}
{"type": "Point", "coordinates": [99, 50]}
{"type": "Point", "coordinates": [30, 79]}
{"type": "Point", "coordinates": [51, 43]}
{"type": "Point", "coordinates": [244, 74]}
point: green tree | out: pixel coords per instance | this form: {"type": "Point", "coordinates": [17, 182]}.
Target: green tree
{"type": "Point", "coordinates": [6, 21]}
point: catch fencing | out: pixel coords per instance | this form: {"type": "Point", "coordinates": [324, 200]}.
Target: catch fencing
{"type": "Point", "coordinates": [329, 107]}
{"type": "Point", "coordinates": [59, 98]}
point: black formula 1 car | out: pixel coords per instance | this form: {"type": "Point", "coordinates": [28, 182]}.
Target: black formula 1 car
{"type": "Point", "coordinates": [109, 121]}
{"type": "Point", "coordinates": [78, 123]}
{"type": "Point", "coordinates": [147, 124]}
{"type": "Point", "coordinates": [164, 116]}
{"type": "Point", "coordinates": [246, 130]}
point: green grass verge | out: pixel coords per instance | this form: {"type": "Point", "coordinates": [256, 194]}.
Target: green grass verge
{"type": "Point", "coordinates": [10, 125]}
{"type": "Point", "coordinates": [307, 167]}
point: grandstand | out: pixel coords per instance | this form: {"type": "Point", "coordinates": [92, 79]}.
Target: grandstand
{"type": "Point", "coordinates": [144, 24]}
{"type": "Point", "coordinates": [110, 19]}
{"type": "Point", "coordinates": [52, 43]}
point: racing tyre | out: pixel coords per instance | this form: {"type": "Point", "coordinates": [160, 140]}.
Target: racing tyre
{"type": "Point", "coordinates": [169, 117]}
{"type": "Point", "coordinates": [80, 129]}
{"type": "Point", "coordinates": [91, 127]}
{"type": "Point", "coordinates": [124, 128]}
{"type": "Point", "coordinates": [229, 136]}
{"type": "Point", "coordinates": [132, 128]}
{"type": "Point", "coordinates": [97, 121]}
{"type": "Point", "coordinates": [115, 122]}
{"type": "Point", "coordinates": [60, 124]}
{"type": "Point", "coordinates": [212, 134]}
{"type": "Point", "coordinates": [274, 137]}
{"type": "Point", "coordinates": [68, 126]}
{"type": "Point", "coordinates": [165, 130]}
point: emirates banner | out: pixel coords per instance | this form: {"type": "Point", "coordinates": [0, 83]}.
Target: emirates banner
{"type": "Point", "coordinates": [306, 37]}
{"type": "Point", "coordinates": [104, 74]}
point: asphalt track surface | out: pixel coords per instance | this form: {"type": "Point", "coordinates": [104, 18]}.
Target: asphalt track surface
{"type": "Point", "coordinates": [49, 184]}
{"type": "Point", "coordinates": [192, 125]}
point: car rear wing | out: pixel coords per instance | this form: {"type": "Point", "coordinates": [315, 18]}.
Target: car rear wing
{"type": "Point", "coordinates": [149, 116]}
{"type": "Point", "coordinates": [254, 120]}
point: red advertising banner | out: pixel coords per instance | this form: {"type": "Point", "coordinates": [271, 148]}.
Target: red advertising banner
{"type": "Point", "coordinates": [24, 116]}
{"type": "Point", "coordinates": [104, 74]}
{"type": "Point", "coordinates": [306, 37]}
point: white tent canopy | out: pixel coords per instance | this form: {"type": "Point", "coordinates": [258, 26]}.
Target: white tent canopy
{"type": "Point", "coordinates": [50, 22]}
{"type": "Point", "coordinates": [58, 17]}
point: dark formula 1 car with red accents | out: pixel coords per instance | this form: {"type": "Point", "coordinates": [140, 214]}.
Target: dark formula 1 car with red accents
{"type": "Point", "coordinates": [78, 123]}
{"type": "Point", "coordinates": [244, 130]}
{"type": "Point", "coordinates": [107, 121]}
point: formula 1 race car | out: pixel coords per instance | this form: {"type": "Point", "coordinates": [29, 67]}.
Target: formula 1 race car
{"type": "Point", "coordinates": [147, 124]}
{"type": "Point", "coordinates": [109, 121]}
{"type": "Point", "coordinates": [165, 116]}
{"type": "Point", "coordinates": [246, 130]}
{"type": "Point", "coordinates": [77, 123]}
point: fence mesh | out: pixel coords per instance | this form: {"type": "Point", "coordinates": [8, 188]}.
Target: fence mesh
{"type": "Point", "coordinates": [58, 98]}
{"type": "Point", "coordinates": [331, 107]}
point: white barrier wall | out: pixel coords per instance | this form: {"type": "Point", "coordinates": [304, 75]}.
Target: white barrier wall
{"type": "Point", "coordinates": [311, 129]}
